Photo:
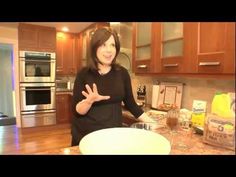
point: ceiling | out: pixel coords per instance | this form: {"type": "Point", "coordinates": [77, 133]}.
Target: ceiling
{"type": "Point", "coordinates": [74, 27]}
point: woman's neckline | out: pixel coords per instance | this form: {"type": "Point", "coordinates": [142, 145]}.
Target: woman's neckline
{"type": "Point", "coordinates": [104, 73]}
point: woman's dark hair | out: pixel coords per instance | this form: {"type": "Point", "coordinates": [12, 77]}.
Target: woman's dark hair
{"type": "Point", "coordinates": [99, 37]}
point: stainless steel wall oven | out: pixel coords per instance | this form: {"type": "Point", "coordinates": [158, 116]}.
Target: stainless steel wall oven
{"type": "Point", "coordinates": [37, 104]}
{"type": "Point", "coordinates": [37, 96]}
{"type": "Point", "coordinates": [37, 66]}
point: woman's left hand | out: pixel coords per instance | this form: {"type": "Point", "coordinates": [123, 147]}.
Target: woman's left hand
{"type": "Point", "coordinates": [93, 95]}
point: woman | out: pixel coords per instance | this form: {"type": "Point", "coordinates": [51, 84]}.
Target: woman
{"type": "Point", "coordinates": [100, 88]}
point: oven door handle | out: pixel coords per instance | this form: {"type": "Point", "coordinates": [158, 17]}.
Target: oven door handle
{"type": "Point", "coordinates": [53, 89]}
{"type": "Point", "coordinates": [42, 61]}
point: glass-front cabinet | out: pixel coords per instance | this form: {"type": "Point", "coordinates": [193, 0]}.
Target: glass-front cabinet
{"type": "Point", "coordinates": [142, 47]}
{"type": "Point", "coordinates": [172, 40]}
{"type": "Point", "coordinates": [169, 44]}
{"type": "Point", "coordinates": [173, 47]}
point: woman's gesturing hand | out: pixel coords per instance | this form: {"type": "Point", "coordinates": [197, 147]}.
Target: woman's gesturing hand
{"type": "Point", "coordinates": [93, 95]}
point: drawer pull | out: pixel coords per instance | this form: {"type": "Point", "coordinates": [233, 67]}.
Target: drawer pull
{"type": "Point", "coordinates": [209, 63]}
{"type": "Point", "coordinates": [171, 65]}
{"type": "Point", "coordinates": [142, 66]}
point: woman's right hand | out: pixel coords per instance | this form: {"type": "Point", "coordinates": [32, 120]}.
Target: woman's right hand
{"type": "Point", "coordinates": [93, 95]}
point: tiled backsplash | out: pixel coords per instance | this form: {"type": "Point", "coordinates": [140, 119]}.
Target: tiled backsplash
{"type": "Point", "coordinates": [194, 88]}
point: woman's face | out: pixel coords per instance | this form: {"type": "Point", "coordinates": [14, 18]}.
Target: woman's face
{"type": "Point", "coordinates": [107, 51]}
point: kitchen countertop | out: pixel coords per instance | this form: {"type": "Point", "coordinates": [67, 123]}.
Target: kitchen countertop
{"type": "Point", "coordinates": [198, 147]}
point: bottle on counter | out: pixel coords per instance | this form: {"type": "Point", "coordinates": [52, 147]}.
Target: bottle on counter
{"type": "Point", "coordinates": [141, 95]}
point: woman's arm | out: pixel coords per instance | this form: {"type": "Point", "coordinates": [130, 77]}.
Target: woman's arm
{"type": "Point", "coordinates": [145, 118]}
{"type": "Point", "coordinates": [129, 100]}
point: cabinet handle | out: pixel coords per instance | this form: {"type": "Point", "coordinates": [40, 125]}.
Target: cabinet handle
{"type": "Point", "coordinates": [142, 66]}
{"type": "Point", "coordinates": [209, 63]}
{"type": "Point", "coordinates": [171, 65]}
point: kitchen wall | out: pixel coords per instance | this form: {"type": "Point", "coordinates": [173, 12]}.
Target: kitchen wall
{"type": "Point", "coordinates": [9, 35]}
{"type": "Point", "coordinates": [194, 88]}
{"type": "Point", "coordinates": [6, 91]}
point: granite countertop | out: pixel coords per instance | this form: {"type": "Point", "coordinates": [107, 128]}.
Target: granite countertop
{"type": "Point", "coordinates": [198, 147]}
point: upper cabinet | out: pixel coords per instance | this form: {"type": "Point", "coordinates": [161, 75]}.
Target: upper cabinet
{"type": "Point", "coordinates": [67, 53]}
{"type": "Point", "coordinates": [142, 47]}
{"type": "Point", "coordinates": [171, 47]}
{"type": "Point", "coordinates": [171, 43]}
{"type": "Point", "coordinates": [36, 38]}
{"type": "Point", "coordinates": [184, 48]}
{"type": "Point", "coordinates": [215, 47]}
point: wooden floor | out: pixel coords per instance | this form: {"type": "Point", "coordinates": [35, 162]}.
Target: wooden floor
{"type": "Point", "coordinates": [15, 140]}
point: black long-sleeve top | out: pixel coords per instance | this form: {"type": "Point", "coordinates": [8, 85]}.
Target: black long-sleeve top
{"type": "Point", "coordinates": [106, 113]}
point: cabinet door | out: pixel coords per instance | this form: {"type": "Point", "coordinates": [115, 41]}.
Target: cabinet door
{"type": "Point", "coordinates": [59, 53]}
{"type": "Point", "coordinates": [47, 39]}
{"type": "Point", "coordinates": [28, 37]}
{"type": "Point", "coordinates": [37, 38]}
{"type": "Point", "coordinates": [170, 40]}
{"type": "Point", "coordinates": [66, 54]}
{"type": "Point", "coordinates": [69, 54]}
{"type": "Point", "coordinates": [142, 47]}
{"type": "Point", "coordinates": [216, 47]}
{"type": "Point", "coordinates": [63, 108]}
{"type": "Point", "coordinates": [84, 46]}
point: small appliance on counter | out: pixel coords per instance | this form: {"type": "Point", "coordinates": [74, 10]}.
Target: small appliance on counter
{"type": "Point", "coordinates": [64, 85]}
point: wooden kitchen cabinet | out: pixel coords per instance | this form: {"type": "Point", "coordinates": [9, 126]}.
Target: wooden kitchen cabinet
{"type": "Point", "coordinates": [215, 48]}
{"type": "Point", "coordinates": [36, 38]}
{"type": "Point", "coordinates": [142, 47]}
{"type": "Point", "coordinates": [63, 108]}
{"type": "Point", "coordinates": [173, 47]}
{"type": "Point", "coordinates": [67, 54]}
{"type": "Point", "coordinates": [199, 48]}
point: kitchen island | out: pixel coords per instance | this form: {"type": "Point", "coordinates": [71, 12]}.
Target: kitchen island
{"type": "Point", "coordinates": [197, 148]}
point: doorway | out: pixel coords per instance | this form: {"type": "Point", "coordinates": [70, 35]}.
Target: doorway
{"type": "Point", "coordinates": [7, 115]}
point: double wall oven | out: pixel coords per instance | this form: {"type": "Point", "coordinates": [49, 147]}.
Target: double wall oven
{"type": "Point", "coordinates": [37, 88]}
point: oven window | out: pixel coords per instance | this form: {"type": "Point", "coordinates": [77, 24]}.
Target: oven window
{"type": "Point", "coordinates": [36, 68]}
{"type": "Point", "coordinates": [35, 96]}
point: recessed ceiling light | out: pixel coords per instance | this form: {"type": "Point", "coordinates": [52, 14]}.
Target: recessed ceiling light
{"type": "Point", "coordinates": [115, 23]}
{"type": "Point", "coordinates": [65, 29]}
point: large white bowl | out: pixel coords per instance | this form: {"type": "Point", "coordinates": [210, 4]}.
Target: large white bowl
{"type": "Point", "coordinates": [124, 141]}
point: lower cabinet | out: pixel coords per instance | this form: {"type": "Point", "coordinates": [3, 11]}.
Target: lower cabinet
{"type": "Point", "coordinates": [63, 108]}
